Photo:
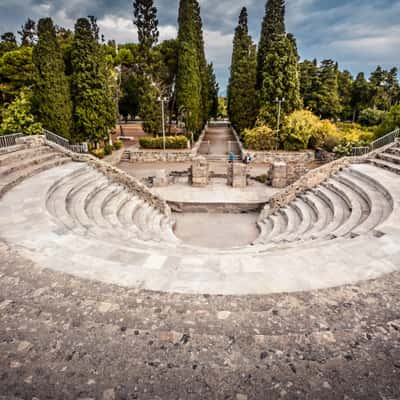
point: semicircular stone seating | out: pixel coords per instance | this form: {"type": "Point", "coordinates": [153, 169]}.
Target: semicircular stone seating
{"type": "Point", "coordinates": [68, 216]}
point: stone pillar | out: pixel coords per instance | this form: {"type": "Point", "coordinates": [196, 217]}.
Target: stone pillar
{"type": "Point", "coordinates": [200, 172]}
{"type": "Point", "coordinates": [279, 174]}
{"type": "Point", "coordinates": [237, 175]}
{"type": "Point", "coordinates": [161, 178]}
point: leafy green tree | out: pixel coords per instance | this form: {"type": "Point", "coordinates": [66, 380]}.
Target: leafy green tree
{"type": "Point", "coordinates": [212, 106]}
{"type": "Point", "coordinates": [345, 88]}
{"type": "Point", "coordinates": [52, 97]}
{"type": "Point", "coordinates": [309, 84]}
{"type": "Point", "coordinates": [16, 72]}
{"type": "Point", "coordinates": [94, 111]}
{"type": "Point", "coordinates": [390, 122]}
{"type": "Point", "coordinates": [273, 27]}
{"type": "Point", "coordinates": [360, 97]}
{"type": "Point", "coordinates": [145, 19]}
{"type": "Point", "coordinates": [129, 100]}
{"type": "Point", "coordinates": [8, 42]}
{"type": "Point", "coordinates": [242, 95]}
{"type": "Point", "coordinates": [188, 80]}
{"type": "Point", "coordinates": [329, 101]}
{"type": "Point", "coordinates": [281, 80]}
{"type": "Point", "coordinates": [28, 33]}
{"type": "Point", "coordinates": [18, 118]}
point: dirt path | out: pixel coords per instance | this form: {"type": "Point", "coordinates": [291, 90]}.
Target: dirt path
{"type": "Point", "coordinates": [221, 141]}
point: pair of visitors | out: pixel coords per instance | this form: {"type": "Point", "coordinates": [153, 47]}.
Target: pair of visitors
{"type": "Point", "coordinates": [247, 159]}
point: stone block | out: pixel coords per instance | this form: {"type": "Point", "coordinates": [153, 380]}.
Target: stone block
{"type": "Point", "coordinates": [200, 172]}
{"type": "Point", "coordinates": [279, 174]}
{"type": "Point", "coordinates": [161, 178]}
{"type": "Point", "coordinates": [237, 175]}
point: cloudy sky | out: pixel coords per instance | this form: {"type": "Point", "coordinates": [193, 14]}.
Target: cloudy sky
{"type": "Point", "coordinates": [359, 34]}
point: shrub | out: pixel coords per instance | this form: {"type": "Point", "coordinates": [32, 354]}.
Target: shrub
{"type": "Point", "coordinates": [117, 145]}
{"type": "Point", "coordinates": [108, 149]}
{"type": "Point", "coordinates": [371, 117]}
{"type": "Point", "coordinates": [390, 122]}
{"type": "Point", "coordinates": [302, 129]}
{"type": "Point", "coordinates": [99, 153]}
{"type": "Point", "coordinates": [171, 142]}
{"type": "Point", "coordinates": [260, 138]}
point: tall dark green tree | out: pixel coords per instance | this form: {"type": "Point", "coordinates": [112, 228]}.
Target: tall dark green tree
{"type": "Point", "coordinates": [328, 94]}
{"type": "Point", "coordinates": [360, 96]}
{"type": "Point", "coordinates": [28, 33]}
{"type": "Point", "coordinates": [145, 19]}
{"type": "Point", "coordinates": [212, 105]}
{"type": "Point", "coordinates": [51, 95]}
{"type": "Point", "coordinates": [345, 88]}
{"type": "Point", "coordinates": [242, 95]}
{"type": "Point", "coordinates": [273, 26]}
{"type": "Point", "coordinates": [189, 79]}
{"type": "Point", "coordinates": [280, 80]}
{"type": "Point", "coordinates": [309, 84]}
{"type": "Point", "coordinates": [8, 42]}
{"type": "Point", "coordinates": [94, 110]}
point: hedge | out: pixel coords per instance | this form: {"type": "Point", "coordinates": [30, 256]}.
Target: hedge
{"type": "Point", "coordinates": [171, 142]}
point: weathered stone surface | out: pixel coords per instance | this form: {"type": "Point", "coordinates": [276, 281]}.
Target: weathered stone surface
{"type": "Point", "coordinates": [200, 172]}
{"type": "Point", "coordinates": [237, 175]}
{"type": "Point", "coordinates": [279, 175]}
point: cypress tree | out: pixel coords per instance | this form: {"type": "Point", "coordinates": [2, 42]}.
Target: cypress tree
{"type": "Point", "coordinates": [361, 95]}
{"type": "Point", "coordinates": [145, 19]}
{"type": "Point", "coordinates": [189, 80]}
{"type": "Point", "coordinates": [272, 27]}
{"type": "Point", "coordinates": [328, 93]}
{"type": "Point", "coordinates": [212, 106]}
{"type": "Point", "coordinates": [28, 33]}
{"type": "Point", "coordinates": [280, 80]}
{"type": "Point", "coordinates": [309, 84]}
{"type": "Point", "coordinates": [242, 96]}
{"type": "Point", "coordinates": [94, 111]}
{"type": "Point", "coordinates": [52, 98]}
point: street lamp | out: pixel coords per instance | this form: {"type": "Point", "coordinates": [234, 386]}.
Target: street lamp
{"type": "Point", "coordinates": [279, 103]}
{"type": "Point", "coordinates": [163, 99]}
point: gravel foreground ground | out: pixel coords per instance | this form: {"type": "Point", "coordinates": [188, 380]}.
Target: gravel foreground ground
{"type": "Point", "coordinates": [65, 338]}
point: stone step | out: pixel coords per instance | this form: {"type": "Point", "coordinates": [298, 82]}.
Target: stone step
{"type": "Point", "coordinates": [111, 208]}
{"type": "Point", "coordinates": [308, 218]}
{"type": "Point", "coordinates": [19, 176]}
{"type": "Point", "coordinates": [339, 208]}
{"type": "Point", "coordinates": [392, 167]}
{"type": "Point", "coordinates": [323, 211]}
{"type": "Point", "coordinates": [359, 210]}
{"type": "Point", "coordinates": [392, 158]}
{"type": "Point", "coordinates": [379, 206]}
{"type": "Point", "coordinates": [42, 155]}
{"type": "Point", "coordinates": [19, 153]}
{"type": "Point", "coordinates": [293, 223]}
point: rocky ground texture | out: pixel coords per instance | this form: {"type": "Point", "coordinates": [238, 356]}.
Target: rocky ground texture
{"type": "Point", "coordinates": [64, 338]}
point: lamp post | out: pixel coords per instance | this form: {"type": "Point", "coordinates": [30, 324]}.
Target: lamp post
{"type": "Point", "coordinates": [279, 103]}
{"type": "Point", "coordinates": [163, 99]}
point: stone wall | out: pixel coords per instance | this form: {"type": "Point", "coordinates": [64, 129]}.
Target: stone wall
{"type": "Point", "coordinates": [309, 181]}
{"type": "Point", "coordinates": [200, 172]}
{"type": "Point", "coordinates": [173, 156]}
{"type": "Point", "coordinates": [296, 161]}
{"type": "Point", "coordinates": [237, 175]}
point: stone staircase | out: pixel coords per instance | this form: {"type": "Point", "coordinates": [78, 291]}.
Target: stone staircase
{"type": "Point", "coordinates": [20, 162]}
{"type": "Point", "coordinates": [388, 159]}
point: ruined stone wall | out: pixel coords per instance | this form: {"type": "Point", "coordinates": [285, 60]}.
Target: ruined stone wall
{"type": "Point", "coordinates": [309, 181]}
{"type": "Point", "coordinates": [173, 156]}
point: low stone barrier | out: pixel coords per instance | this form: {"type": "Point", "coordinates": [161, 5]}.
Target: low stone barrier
{"type": "Point", "coordinates": [308, 181]}
{"type": "Point", "coordinates": [169, 155]}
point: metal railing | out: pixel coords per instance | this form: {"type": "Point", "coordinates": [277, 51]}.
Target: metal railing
{"type": "Point", "coordinates": [9, 140]}
{"type": "Point", "coordinates": [377, 144]}
{"type": "Point", "coordinates": [75, 148]}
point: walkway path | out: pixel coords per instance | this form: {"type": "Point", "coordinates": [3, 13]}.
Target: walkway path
{"type": "Point", "coordinates": [222, 141]}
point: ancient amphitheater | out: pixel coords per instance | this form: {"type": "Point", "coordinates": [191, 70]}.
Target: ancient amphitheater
{"type": "Point", "coordinates": [99, 298]}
